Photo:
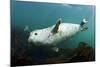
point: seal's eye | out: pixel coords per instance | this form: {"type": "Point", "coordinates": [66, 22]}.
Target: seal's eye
{"type": "Point", "coordinates": [35, 33]}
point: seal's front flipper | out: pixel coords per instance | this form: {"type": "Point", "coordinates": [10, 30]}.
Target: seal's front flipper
{"type": "Point", "coordinates": [56, 27]}
{"type": "Point", "coordinates": [55, 49]}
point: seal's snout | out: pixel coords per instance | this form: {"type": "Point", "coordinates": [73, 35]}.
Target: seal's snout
{"type": "Point", "coordinates": [29, 40]}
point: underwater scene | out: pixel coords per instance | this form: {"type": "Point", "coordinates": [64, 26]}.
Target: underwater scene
{"type": "Point", "coordinates": [51, 33]}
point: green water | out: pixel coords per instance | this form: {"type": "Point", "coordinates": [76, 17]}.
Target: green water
{"type": "Point", "coordinates": [38, 15]}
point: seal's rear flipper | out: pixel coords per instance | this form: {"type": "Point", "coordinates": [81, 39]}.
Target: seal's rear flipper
{"type": "Point", "coordinates": [83, 25]}
{"type": "Point", "coordinates": [56, 27]}
{"type": "Point", "coordinates": [83, 22]}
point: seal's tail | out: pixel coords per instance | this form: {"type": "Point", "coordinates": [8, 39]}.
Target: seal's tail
{"type": "Point", "coordinates": [83, 25]}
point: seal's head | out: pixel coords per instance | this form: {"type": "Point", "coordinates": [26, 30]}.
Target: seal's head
{"type": "Point", "coordinates": [39, 36]}
{"type": "Point", "coordinates": [34, 36]}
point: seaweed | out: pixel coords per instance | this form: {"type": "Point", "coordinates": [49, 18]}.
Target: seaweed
{"type": "Point", "coordinates": [23, 53]}
{"type": "Point", "coordinates": [83, 53]}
